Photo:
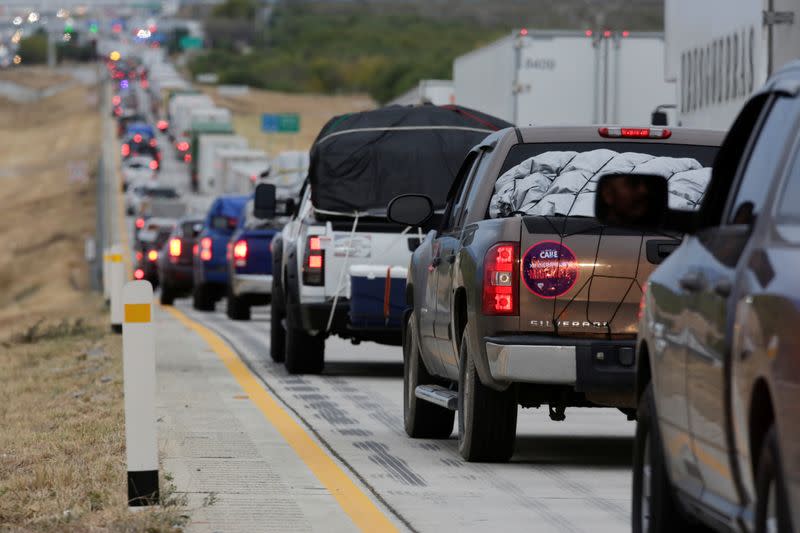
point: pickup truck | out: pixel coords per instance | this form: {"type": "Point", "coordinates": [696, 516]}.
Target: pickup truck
{"type": "Point", "coordinates": [520, 296]}
{"type": "Point", "coordinates": [249, 264]}
{"type": "Point", "coordinates": [210, 266]}
{"type": "Point", "coordinates": [358, 163]}
{"type": "Point", "coordinates": [717, 374]}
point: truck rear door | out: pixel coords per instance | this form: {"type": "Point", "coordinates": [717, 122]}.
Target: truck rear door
{"type": "Point", "coordinates": [578, 277]}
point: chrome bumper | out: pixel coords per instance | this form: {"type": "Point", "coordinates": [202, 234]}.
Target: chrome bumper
{"type": "Point", "coordinates": [532, 364]}
{"type": "Point", "coordinates": [251, 284]}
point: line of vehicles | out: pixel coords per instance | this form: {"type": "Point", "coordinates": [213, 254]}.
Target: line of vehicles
{"type": "Point", "coordinates": [644, 268]}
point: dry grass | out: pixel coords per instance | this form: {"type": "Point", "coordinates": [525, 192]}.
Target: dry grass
{"type": "Point", "coordinates": [314, 109]}
{"type": "Point", "coordinates": [34, 77]}
{"type": "Point", "coordinates": [62, 460]}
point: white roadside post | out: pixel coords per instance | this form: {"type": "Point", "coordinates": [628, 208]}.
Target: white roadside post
{"type": "Point", "coordinates": [116, 278]}
{"type": "Point", "coordinates": [139, 375]}
{"type": "Point", "coordinates": [106, 274]}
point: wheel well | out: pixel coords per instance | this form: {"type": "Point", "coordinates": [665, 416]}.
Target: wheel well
{"type": "Point", "coordinates": [459, 314]}
{"type": "Point", "coordinates": [643, 372]}
{"type": "Point", "coordinates": [760, 420]}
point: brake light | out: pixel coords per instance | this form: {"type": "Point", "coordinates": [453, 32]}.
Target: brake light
{"type": "Point", "coordinates": [240, 253]}
{"type": "Point", "coordinates": [137, 138]}
{"type": "Point", "coordinates": [152, 255]}
{"type": "Point", "coordinates": [174, 247]}
{"type": "Point", "coordinates": [205, 249]}
{"type": "Point", "coordinates": [153, 165]}
{"type": "Point", "coordinates": [138, 273]}
{"type": "Point", "coordinates": [126, 150]}
{"type": "Point", "coordinates": [138, 256]}
{"type": "Point", "coordinates": [116, 100]}
{"type": "Point", "coordinates": [139, 223]}
{"type": "Point", "coordinates": [162, 125]}
{"type": "Point", "coordinates": [153, 143]}
{"type": "Point", "coordinates": [183, 146]}
{"type": "Point", "coordinates": [314, 267]}
{"type": "Point", "coordinates": [635, 133]}
{"type": "Point", "coordinates": [187, 158]}
{"type": "Point", "coordinates": [501, 280]}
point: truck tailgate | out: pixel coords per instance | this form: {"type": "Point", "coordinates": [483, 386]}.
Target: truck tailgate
{"type": "Point", "coordinates": [578, 277]}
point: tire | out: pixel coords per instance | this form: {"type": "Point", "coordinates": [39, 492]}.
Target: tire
{"type": "Point", "coordinates": [277, 335]}
{"type": "Point", "coordinates": [772, 510]}
{"type": "Point", "coordinates": [167, 296]}
{"type": "Point", "coordinates": [423, 420]}
{"type": "Point", "coordinates": [237, 308]}
{"type": "Point", "coordinates": [201, 298]}
{"type": "Point", "coordinates": [305, 354]}
{"type": "Point", "coordinates": [660, 512]}
{"type": "Point", "coordinates": [487, 419]}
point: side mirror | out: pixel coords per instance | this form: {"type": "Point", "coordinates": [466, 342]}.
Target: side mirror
{"type": "Point", "coordinates": [410, 209]}
{"type": "Point", "coordinates": [289, 206]}
{"type": "Point", "coordinates": [264, 204]}
{"type": "Point", "coordinates": [636, 201]}
{"type": "Point", "coordinates": [659, 118]}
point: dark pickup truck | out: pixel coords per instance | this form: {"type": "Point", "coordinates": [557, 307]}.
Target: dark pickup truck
{"type": "Point", "coordinates": [521, 297]}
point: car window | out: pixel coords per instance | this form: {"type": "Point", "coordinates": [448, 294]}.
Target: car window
{"type": "Point", "coordinates": [789, 200]}
{"type": "Point", "coordinates": [454, 196]}
{"type": "Point", "coordinates": [764, 162]}
{"type": "Point", "coordinates": [459, 209]}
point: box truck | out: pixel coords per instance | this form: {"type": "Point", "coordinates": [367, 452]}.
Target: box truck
{"type": "Point", "coordinates": [536, 77]}
{"type": "Point", "coordinates": [205, 154]}
{"type": "Point", "coordinates": [436, 92]}
{"type": "Point", "coordinates": [226, 183]}
{"type": "Point", "coordinates": [719, 51]}
{"type": "Point", "coordinates": [180, 109]}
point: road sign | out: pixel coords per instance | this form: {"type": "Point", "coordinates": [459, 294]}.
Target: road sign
{"type": "Point", "coordinates": [280, 122]}
{"type": "Point", "coordinates": [191, 43]}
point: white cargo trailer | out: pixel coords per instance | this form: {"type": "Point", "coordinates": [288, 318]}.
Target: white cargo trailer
{"type": "Point", "coordinates": [225, 182]}
{"type": "Point", "coordinates": [180, 110]}
{"type": "Point", "coordinates": [566, 77]}
{"type": "Point", "coordinates": [208, 145]}
{"type": "Point", "coordinates": [719, 51]}
{"type": "Point", "coordinates": [209, 115]}
{"type": "Point", "coordinates": [436, 92]}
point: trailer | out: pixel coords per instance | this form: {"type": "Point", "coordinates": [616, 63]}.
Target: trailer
{"type": "Point", "coordinates": [436, 92]}
{"type": "Point", "coordinates": [204, 154]}
{"type": "Point", "coordinates": [180, 110]}
{"type": "Point", "coordinates": [723, 52]}
{"type": "Point", "coordinates": [225, 182]}
{"type": "Point", "coordinates": [566, 77]}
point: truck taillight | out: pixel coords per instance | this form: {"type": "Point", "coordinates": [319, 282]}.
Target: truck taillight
{"type": "Point", "coordinates": [153, 164]}
{"type": "Point", "coordinates": [162, 125]}
{"type": "Point", "coordinates": [138, 273]}
{"type": "Point", "coordinates": [635, 133]}
{"type": "Point", "coordinates": [205, 249]}
{"type": "Point", "coordinates": [126, 150]}
{"type": "Point", "coordinates": [501, 280]}
{"type": "Point", "coordinates": [240, 253]}
{"type": "Point", "coordinates": [139, 223]}
{"type": "Point", "coordinates": [314, 266]}
{"type": "Point", "coordinates": [152, 255]}
{"type": "Point", "coordinates": [175, 247]}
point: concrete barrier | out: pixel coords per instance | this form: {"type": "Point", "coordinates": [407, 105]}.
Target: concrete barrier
{"type": "Point", "coordinates": [139, 374]}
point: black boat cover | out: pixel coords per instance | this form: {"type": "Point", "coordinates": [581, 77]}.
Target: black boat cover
{"type": "Point", "coordinates": [360, 161]}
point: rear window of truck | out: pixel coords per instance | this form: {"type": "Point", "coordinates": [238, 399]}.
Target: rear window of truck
{"type": "Point", "coordinates": [520, 152]}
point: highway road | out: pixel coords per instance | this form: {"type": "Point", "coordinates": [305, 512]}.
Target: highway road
{"type": "Point", "coordinates": [565, 476]}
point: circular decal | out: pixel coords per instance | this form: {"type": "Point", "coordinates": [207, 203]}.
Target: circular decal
{"type": "Point", "coordinates": [549, 269]}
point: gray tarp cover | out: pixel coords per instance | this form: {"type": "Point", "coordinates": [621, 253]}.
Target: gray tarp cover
{"type": "Point", "coordinates": [563, 183]}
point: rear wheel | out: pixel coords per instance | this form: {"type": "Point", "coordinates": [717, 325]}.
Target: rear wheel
{"type": "Point", "coordinates": [772, 511]}
{"type": "Point", "coordinates": [655, 509]}
{"type": "Point", "coordinates": [202, 299]}
{"type": "Point", "coordinates": [305, 354]}
{"type": "Point", "coordinates": [487, 419]}
{"type": "Point", "coordinates": [423, 420]}
{"type": "Point", "coordinates": [167, 296]}
{"type": "Point", "coordinates": [237, 308]}
{"type": "Point", "coordinates": [277, 335]}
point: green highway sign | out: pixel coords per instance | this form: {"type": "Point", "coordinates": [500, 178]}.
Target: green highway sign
{"type": "Point", "coordinates": [280, 122]}
{"type": "Point", "coordinates": [191, 43]}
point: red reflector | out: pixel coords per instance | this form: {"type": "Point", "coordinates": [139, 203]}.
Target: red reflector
{"type": "Point", "coordinates": [314, 243]}
{"type": "Point", "coordinates": [607, 33]}
{"type": "Point", "coordinates": [154, 165]}
{"type": "Point", "coordinates": [137, 138]}
{"type": "Point", "coordinates": [138, 273]}
{"type": "Point", "coordinates": [588, 33]}
{"type": "Point", "coordinates": [139, 223]}
{"type": "Point", "coordinates": [138, 256]}
{"type": "Point", "coordinates": [635, 133]}
{"type": "Point", "coordinates": [314, 261]}
{"type": "Point", "coordinates": [175, 247]}
{"type": "Point", "coordinates": [152, 255]}
{"type": "Point", "coordinates": [626, 33]}
{"type": "Point", "coordinates": [126, 150]}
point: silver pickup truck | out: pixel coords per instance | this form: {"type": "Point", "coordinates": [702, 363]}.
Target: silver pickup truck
{"type": "Point", "coordinates": [520, 296]}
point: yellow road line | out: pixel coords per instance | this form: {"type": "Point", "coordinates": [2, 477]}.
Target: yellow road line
{"type": "Point", "coordinates": [364, 513]}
